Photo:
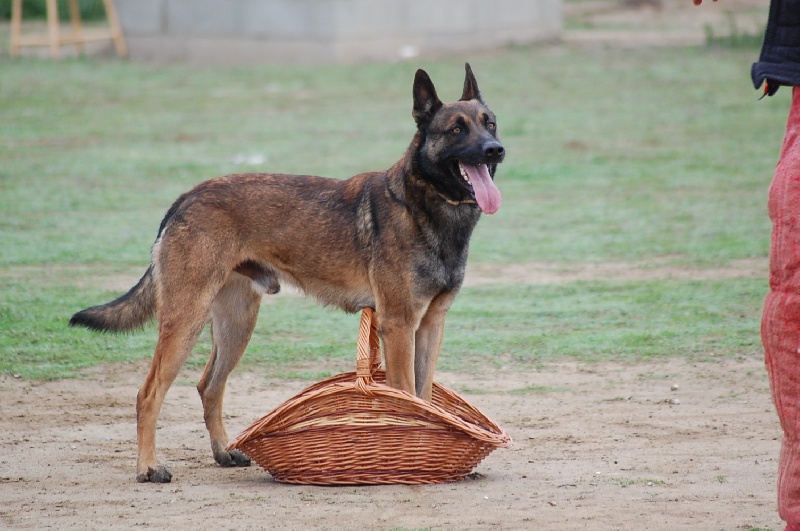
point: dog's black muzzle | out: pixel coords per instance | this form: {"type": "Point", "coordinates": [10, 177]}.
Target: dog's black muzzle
{"type": "Point", "coordinates": [493, 152]}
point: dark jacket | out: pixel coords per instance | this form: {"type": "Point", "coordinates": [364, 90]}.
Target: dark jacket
{"type": "Point", "coordinates": [779, 63]}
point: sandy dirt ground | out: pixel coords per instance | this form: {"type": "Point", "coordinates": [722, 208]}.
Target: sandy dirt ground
{"type": "Point", "coordinates": [666, 445]}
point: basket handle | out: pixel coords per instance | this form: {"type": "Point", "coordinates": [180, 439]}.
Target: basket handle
{"type": "Point", "coordinates": [369, 350]}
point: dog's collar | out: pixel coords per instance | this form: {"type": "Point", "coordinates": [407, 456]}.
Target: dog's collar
{"type": "Point", "coordinates": [456, 203]}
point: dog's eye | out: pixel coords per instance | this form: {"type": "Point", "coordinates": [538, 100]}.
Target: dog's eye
{"type": "Point", "coordinates": [490, 126]}
{"type": "Point", "coordinates": [456, 130]}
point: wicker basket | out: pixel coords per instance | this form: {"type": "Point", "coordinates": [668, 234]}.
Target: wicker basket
{"type": "Point", "coordinates": [353, 429]}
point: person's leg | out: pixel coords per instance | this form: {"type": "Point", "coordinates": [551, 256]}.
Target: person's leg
{"type": "Point", "coordinates": [780, 325]}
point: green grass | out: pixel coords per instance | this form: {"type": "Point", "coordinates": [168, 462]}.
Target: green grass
{"type": "Point", "coordinates": [513, 327]}
{"type": "Point", "coordinates": [502, 327]}
{"type": "Point", "coordinates": [613, 155]}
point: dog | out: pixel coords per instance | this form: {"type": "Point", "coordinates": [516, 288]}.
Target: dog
{"type": "Point", "coordinates": [394, 240]}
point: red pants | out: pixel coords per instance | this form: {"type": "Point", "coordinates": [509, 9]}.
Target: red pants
{"type": "Point", "coordinates": [780, 324]}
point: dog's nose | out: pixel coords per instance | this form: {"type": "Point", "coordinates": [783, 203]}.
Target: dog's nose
{"type": "Point", "coordinates": [494, 151]}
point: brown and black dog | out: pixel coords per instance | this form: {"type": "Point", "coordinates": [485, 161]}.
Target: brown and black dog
{"type": "Point", "coordinates": [393, 240]}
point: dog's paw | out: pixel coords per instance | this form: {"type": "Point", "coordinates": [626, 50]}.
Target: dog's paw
{"type": "Point", "coordinates": [239, 458]}
{"type": "Point", "coordinates": [158, 474]}
{"type": "Point", "coordinates": [232, 458]}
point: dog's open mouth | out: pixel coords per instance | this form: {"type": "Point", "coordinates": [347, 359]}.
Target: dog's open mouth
{"type": "Point", "coordinates": [477, 179]}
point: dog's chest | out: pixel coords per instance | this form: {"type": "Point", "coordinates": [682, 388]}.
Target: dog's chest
{"type": "Point", "coordinates": [441, 268]}
{"type": "Point", "coordinates": [446, 260]}
{"type": "Point", "coordinates": [436, 276]}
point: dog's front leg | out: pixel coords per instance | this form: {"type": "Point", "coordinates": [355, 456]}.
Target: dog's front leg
{"type": "Point", "coordinates": [397, 334]}
{"type": "Point", "coordinates": [428, 341]}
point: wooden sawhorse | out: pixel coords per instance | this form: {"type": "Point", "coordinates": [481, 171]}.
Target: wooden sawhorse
{"type": "Point", "coordinates": [79, 35]}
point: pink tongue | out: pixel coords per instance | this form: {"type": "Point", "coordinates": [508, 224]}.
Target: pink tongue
{"type": "Point", "coordinates": [486, 193]}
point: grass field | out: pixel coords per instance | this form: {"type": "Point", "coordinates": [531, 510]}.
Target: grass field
{"type": "Point", "coordinates": [614, 155]}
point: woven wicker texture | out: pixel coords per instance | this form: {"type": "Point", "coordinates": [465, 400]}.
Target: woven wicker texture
{"type": "Point", "coordinates": [354, 429]}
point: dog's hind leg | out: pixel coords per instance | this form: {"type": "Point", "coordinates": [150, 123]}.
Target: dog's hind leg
{"type": "Point", "coordinates": [177, 335]}
{"type": "Point", "coordinates": [233, 316]}
{"type": "Point", "coordinates": [428, 341]}
{"type": "Point", "coordinates": [187, 285]}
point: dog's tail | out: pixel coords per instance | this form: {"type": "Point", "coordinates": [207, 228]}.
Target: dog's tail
{"type": "Point", "coordinates": [129, 312]}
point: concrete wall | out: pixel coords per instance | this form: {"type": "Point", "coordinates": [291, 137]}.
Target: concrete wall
{"type": "Point", "coordinates": [328, 31]}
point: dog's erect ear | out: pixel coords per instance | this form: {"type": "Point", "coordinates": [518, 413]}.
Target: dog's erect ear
{"type": "Point", "coordinates": [426, 102]}
{"type": "Point", "coordinates": [471, 91]}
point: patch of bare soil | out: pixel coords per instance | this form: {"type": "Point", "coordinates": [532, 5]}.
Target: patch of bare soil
{"type": "Point", "coordinates": [547, 273]}
{"type": "Point", "coordinates": [663, 445]}
{"type": "Point", "coordinates": [477, 274]}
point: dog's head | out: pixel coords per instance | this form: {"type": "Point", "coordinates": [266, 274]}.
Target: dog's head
{"type": "Point", "coordinates": [458, 150]}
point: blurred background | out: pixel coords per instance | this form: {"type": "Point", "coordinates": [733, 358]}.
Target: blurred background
{"type": "Point", "coordinates": [288, 32]}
